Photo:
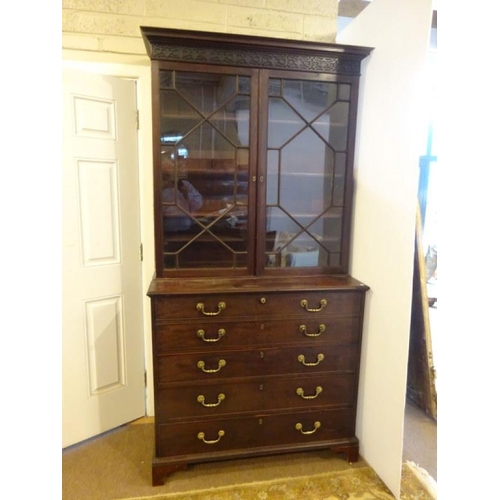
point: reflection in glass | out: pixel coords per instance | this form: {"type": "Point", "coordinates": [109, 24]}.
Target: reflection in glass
{"type": "Point", "coordinates": [332, 125]}
{"type": "Point", "coordinates": [344, 92]}
{"type": "Point", "coordinates": [206, 92]}
{"type": "Point", "coordinates": [233, 120]}
{"type": "Point", "coordinates": [339, 184]}
{"type": "Point", "coordinates": [284, 123]}
{"type": "Point", "coordinates": [243, 85]}
{"type": "Point", "coordinates": [166, 79]}
{"type": "Point", "coordinates": [309, 98]}
{"type": "Point", "coordinates": [205, 128]}
{"type": "Point", "coordinates": [272, 176]}
{"type": "Point", "coordinates": [178, 117]}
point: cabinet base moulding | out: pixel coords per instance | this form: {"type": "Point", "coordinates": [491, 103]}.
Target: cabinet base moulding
{"type": "Point", "coordinates": [163, 467]}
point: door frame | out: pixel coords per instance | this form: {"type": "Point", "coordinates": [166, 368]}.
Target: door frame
{"type": "Point", "coordinates": [142, 76]}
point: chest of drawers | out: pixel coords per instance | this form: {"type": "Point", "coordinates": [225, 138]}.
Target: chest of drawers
{"type": "Point", "coordinates": [254, 367]}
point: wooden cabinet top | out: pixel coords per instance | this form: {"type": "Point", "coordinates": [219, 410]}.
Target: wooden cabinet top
{"type": "Point", "coordinates": [166, 286]}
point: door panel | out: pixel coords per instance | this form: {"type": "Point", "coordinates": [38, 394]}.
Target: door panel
{"type": "Point", "coordinates": [306, 137]}
{"type": "Point", "coordinates": [205, 141]}
{"type": "Point", "coordinates": [102, 337]}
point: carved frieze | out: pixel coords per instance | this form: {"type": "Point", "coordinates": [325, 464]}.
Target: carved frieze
{"type": "Point", "coordinates": [343, 64]}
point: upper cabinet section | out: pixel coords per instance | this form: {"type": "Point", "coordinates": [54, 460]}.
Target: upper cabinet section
{"type": "Point", "coordinates": [253, 152]}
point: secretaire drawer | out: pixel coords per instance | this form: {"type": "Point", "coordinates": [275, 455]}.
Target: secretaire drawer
{"type": "Point", "coordinates": [219, 306]}
{"type": "Point", "coordinates": [201, 366]}
{"type": "Point", "coordinates": [213, 399]}
{"type": "Point", "coordinates": [212, 436]}
{"type": "Point", "coordinates": [206, 307]}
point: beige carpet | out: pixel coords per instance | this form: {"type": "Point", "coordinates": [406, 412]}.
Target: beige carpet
{"type": "Point", "coordinates": [117, 465]}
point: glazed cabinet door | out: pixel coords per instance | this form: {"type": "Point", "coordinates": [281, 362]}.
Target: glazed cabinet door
{"type": "Point", "coordinates": [205, 153]}
{"type": "Point", "coordinates": [307, 133]}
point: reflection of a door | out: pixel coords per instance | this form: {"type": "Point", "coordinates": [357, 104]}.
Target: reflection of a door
{"type": "Point", "coordinates": [102, 340]}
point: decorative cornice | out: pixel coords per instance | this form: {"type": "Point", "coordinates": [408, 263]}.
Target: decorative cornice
{"type": "Point", "coordinates": [166, 44]}
{"type": "Point", "coordinates": [342, 64]}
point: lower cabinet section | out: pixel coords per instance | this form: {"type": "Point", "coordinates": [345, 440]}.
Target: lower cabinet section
{"type": "Point", "coordinates": [250, 374]}
{"type": "Point", "coordinates": [207, 436]}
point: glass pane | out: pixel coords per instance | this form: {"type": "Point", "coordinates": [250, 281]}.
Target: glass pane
{"type": "Point", "coordinates": [309, 98]}
{"type": "Point", "coordinates": [344, 92]}
{"type": "Point", "coordinates": [327, 230]}
{"type": "Point", "coordinates": [242, 166]}
{"type": "Point", "coordinates": [333, 125]}
{"type": "Point", "coordinates": [306, 169]}
{"type": "Point", "coordinates": [306, 173]}
{"type": "Point", "coordinates": [272, 176]}
{"type": "Point", "coordinates": [338, 188]}
{"type": "Point", "coordinates": [177, 117]}
{"type": "Point", "coordinates": [166, 79]}
{"type": "Point", "coordinates": [281, 229]}
{"type": "Point", "coordinates": [283, 124]}
{"type": "Point", "coordinates": [233, 120]}
{"type": "Point", "coordinates": [244, 85]}
{"type": "Point", "coordinates": [205, 163]}
{"type": "Point", "coordinates": [274, 87]}
{"type": "Point", "coordinates": [205, 91]}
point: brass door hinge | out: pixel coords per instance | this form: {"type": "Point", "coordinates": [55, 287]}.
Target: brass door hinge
{"type": "Point", "coordinates": [142, 252]}
{"type": "Point", "coordinates": [145, 378]}
{"type": "Point", "coordinates": [137, 118]}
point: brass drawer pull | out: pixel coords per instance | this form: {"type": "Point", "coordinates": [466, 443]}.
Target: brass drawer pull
{"type": "Point", "coordinates": [201, 436]}
{"type": "Point", "coordinates": [201, 307]}
{"type": "Point", "coordinates": [201, 335]}
{"type": "Point", "coordinates": [321, 329]}
{"type": "Point", "coordinates": [317, 425]}
{"type": "Point", "coordinates": [201, 366]}
{"type": "Point", "coordinates": [302, 359]}
{"type": "Point", "coordinates": [300, 392]}
{"type": "Point", "coordinates": [220, 398]}
{"type": "Point", "coordinates": [305, 305]}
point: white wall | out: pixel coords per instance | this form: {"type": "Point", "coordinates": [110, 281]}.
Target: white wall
{"type": "Point", "coordinates": [389, 136]}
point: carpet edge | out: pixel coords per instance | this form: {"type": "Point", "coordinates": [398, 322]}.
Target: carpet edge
{"type": "Point", "coordinates": [269, 482]}
{"type": "Point", "coordinates": [427, 482]}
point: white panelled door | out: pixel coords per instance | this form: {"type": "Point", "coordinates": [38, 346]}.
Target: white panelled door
{"type": "Point", "coordinates": [102, 336]}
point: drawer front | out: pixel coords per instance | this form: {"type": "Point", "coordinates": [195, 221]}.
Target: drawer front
{"type": "Point", "coordinates": [332, 330]}
{"type": "Point", "coordinates": [313, 305]}
{"type": "Point", "coordinates": [205, 335]}
{"type": "Point", "coordinates": [219, 306]}
{"type": "Point", "coordinates": [226, 397]}
{"type": "Point", "coordinates": [206, 366]}
{"type": "Point", "coordinates": [210, 308]}
{"type": "Point", "coordinates": [211, 436]}
{"type": "Point", "coordinates": [225, 334]}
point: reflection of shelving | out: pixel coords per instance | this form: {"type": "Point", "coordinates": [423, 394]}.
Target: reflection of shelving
{"type": "Point", "coordinates": [319, 175]}
{"type": "Point", "coordinates": [180, 239]}
{"type": "Point", "coordinates": [313, 124]}
{"type": "Point", "coordinates": [303, 217]}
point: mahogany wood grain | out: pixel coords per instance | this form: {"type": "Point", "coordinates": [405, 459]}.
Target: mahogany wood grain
{"type": "Point", "coordinates": [260, 331]}
{"type": "Point", "coordinates": [243, 396]}
{"type": "Point", "coordinates": [172, 337]}
{"type": "Point", "coordinates": [177, 439]}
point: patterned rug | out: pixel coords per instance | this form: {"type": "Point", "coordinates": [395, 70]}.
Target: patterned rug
{"type": "Point", "coordinates": [352, 484]}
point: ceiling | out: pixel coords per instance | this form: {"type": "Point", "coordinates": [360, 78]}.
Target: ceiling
{"type": "Point", "coordinates": [351, 8]}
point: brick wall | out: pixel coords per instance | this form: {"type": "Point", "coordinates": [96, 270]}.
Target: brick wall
{"type": "Point", "coordinates": [112, 26]}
